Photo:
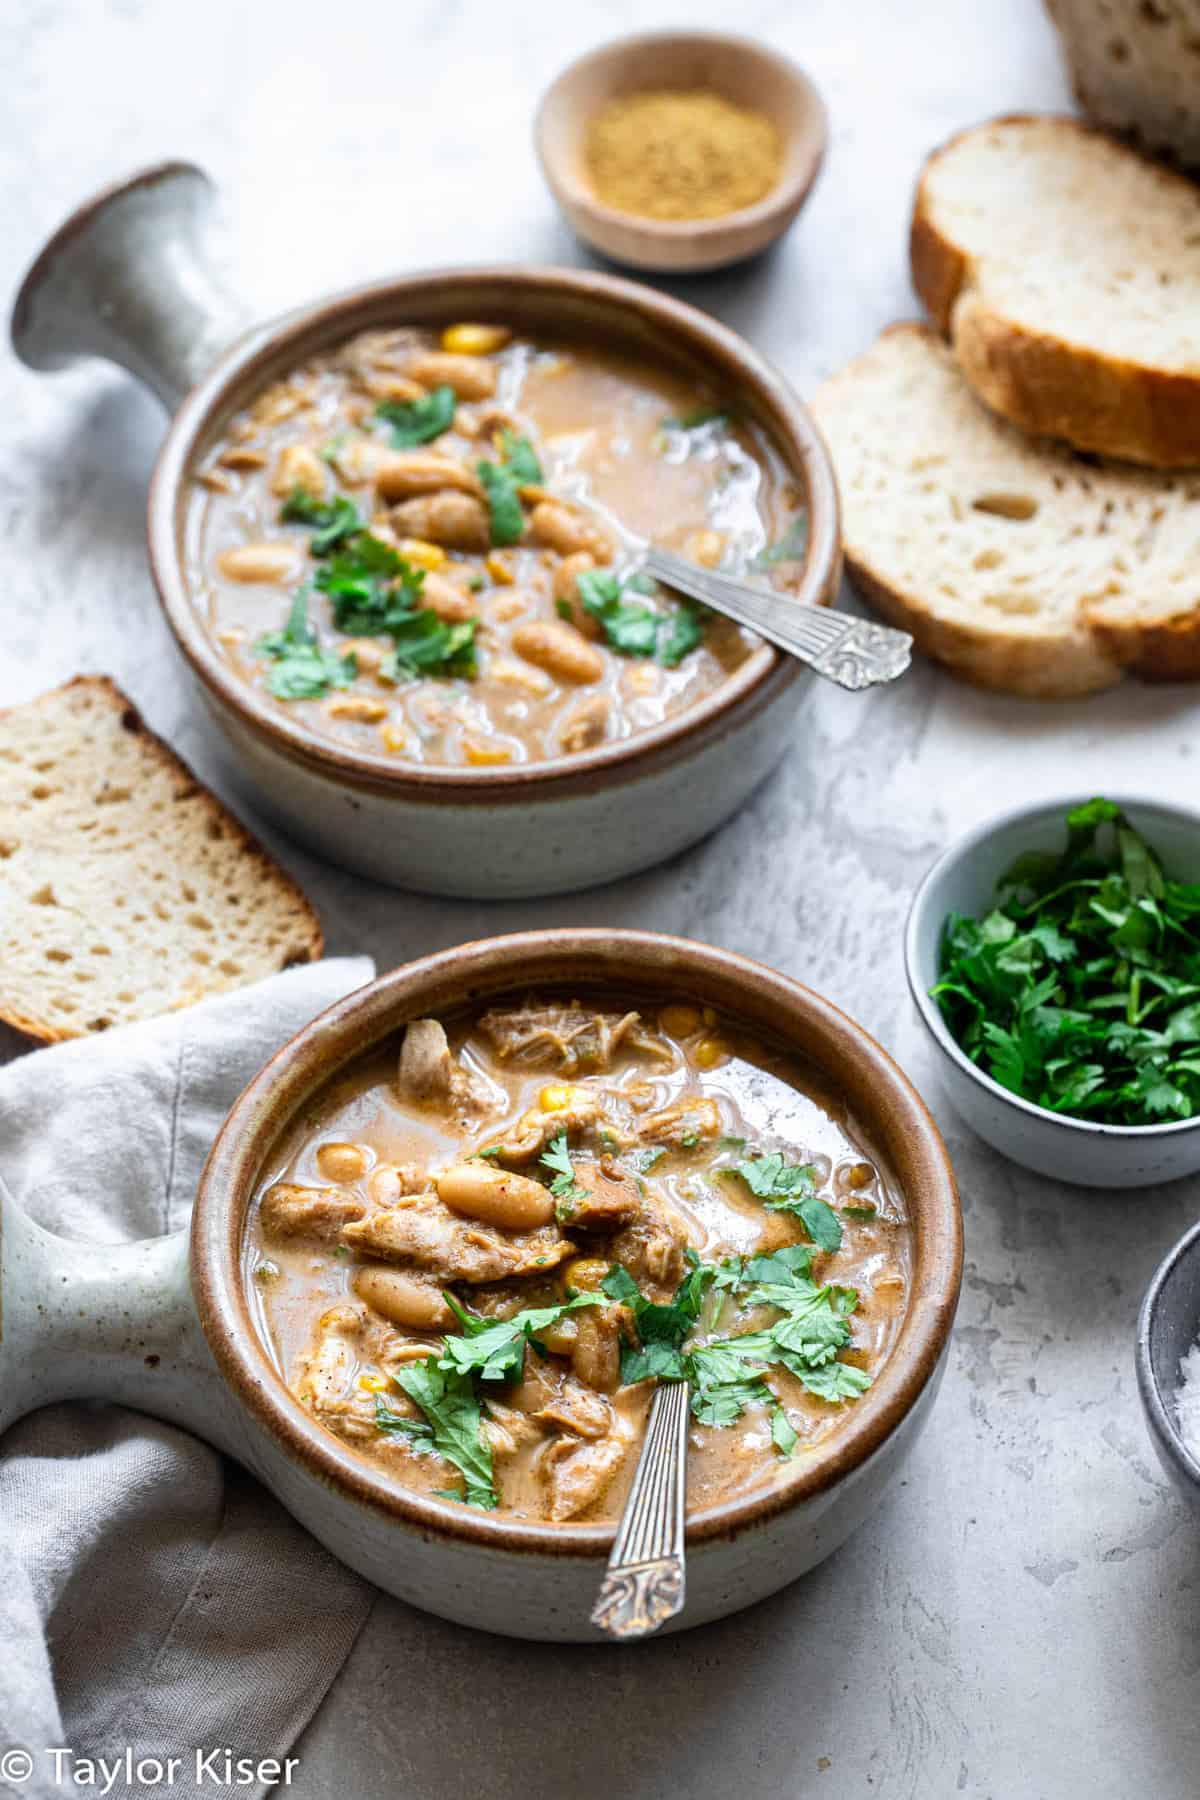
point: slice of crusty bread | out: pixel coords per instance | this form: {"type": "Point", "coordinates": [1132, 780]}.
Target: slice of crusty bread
{"type": "Point", "coordinates": [1135, 67]}
{"type": "Point", "coordinates": [126, 888]}
{"type": "Point", "coordinates": [1016, 562]}
{"type": "Point", "coordinates": [1065, 270]}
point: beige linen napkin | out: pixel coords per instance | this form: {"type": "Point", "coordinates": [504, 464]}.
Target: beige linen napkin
{"type": "Point", "coordinates": [153, 1598]}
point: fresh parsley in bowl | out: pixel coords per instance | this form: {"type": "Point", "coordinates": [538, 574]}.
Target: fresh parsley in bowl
{"type": "Point", "coordinates": [1054, 955]}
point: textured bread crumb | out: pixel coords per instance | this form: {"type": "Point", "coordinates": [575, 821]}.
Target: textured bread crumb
{"type": "Point", "coordinates": [126, 888]}
{"type": "Point", "coordinates": [1022, 566]}
{"type": "Point", "coordinates": [1065, 269]}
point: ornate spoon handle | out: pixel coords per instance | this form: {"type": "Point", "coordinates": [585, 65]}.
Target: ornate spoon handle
{"type": "Point", "coordinates": [645, 1584]}
{"type": "Point", "coordinates": [854, 653]}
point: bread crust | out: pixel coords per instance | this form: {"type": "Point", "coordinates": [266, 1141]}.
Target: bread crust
{"type": "Point", "coordinates": [1045, 384]}
{"type": "Point", "coordinates": [1065, 665]}
{"type": "Point", "coordinates": [309, 940]}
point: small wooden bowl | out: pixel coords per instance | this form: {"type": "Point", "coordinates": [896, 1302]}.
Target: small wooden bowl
{"type": "Point", "coordinates": [744, 72]}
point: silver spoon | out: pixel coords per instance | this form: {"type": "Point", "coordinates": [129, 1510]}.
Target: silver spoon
{"type": "Point", "coordinates": [646, 1581]}
{"type": "Point", "coordinates": [854, 653]}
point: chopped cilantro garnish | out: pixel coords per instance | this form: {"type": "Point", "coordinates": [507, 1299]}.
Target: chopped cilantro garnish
{"type": "Point", "coordinates": [302, 669]}
{"type": "Point", "coordinates": [494, 1349]}
{"type": "Point", "coordinates": [334, 520]}
{"type": "Point", "coordinates": [727, 1374]}
{"type": "Point", "coordinates": [792, 546]}
{"type": "Point", "coordinates": [566, 1190]}
{"type": "Point", "coordinates": [634, 629]}
{"type": "Point", "coordinates": [520, 459]}
{"type": "Point", "coordinates": [518, 467]}
{"type": "Point", "coordinates": [1080, 990]}
{"type": "Point", "coordinates": [451, 1405]}
{"type": "Point", "coordinates": [692, 421]}
{"type": "Point", "coordinates": [419, 421]}
{"type": "Point", "coordinates": [790, 1187]}
{"type": "Point", "coordinates": [423, 644]}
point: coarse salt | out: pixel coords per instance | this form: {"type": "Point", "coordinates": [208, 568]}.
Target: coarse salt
{"type": "Point", "coordinates": [1187, 1400]}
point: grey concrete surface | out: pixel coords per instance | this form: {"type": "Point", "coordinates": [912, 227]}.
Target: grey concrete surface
{"type": "Point", "coordinates": [1020, 1621]}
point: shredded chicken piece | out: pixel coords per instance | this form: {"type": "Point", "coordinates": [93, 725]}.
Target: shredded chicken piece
{"type": "Point", "coordinates": [419, 1230]}
{"type": "Point", "coordinates": [683, 1125]}
{"type": "Point", "coordinates": [507, 1429]}
{"type": "Point", "coordinates": [430, 1074]}
{"type": "Point", "coordinates": [324, 1380]}
{"type": "Point", "coordinates": [578, 1473]}
{"type": "Point", "coordinates": [568, 1037]}
{"type": "Point", "coordinates": [290, 1211]}
{"type": "Point", "coordinates": [534, 1130]}
{"type": "Point", "coordinates": [578, 1410]}
{"type": "Point", "coordinates": [651, 1248]}
{"type": "Point", "coordinates": [596, 1351]}
{"type": "Point", "coordinates": [607, 1198]}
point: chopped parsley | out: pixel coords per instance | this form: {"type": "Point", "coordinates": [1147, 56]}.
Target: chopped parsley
{"type": "Point", "coordinates": [518, 467]}
{"type": "Point", "coordinates": [302, 669]}
{"type": "Point", "coordinates": [1080, 989]}
{"type": "Point", "coordinates": [334, 520]}
{"type": "Point", "coordinates": [419, 421]}
{"type": "Point", "coordinates": [632, 628]}
{"type": "Point", "coordinates": [791, 1188]}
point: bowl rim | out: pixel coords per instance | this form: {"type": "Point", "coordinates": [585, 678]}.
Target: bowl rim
{"type": "Point", "coordinates": [1159, 1415]}
{"type": "Point", "coordinates": [789, 191]}
{"type": "Point", "coordinates": [930, 1013]}
{"type": "Point", "coordinates": [595, 958]}
{"type": "Point", "coordinates": [253, 357]}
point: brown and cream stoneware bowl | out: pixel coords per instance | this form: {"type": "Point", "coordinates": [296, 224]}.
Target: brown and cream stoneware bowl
{"type": "Point", "coordinates": [126, 278]}
{"type": "Point", "coordinates": [166, 1326]}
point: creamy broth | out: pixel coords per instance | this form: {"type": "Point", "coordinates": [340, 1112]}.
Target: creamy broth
{"type": "Point", "coordinates": [521, 1158]}
{"type": "Point", "coordinates": [506, 664]}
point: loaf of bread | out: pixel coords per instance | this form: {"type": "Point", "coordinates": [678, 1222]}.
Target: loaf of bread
{"type": "Point", "coordinates": [1064, 268]}
{"type": "Point", "coordinates": [126, 888]}
{"type": "Point", "coordinates": [1135, 67]}
{"type": "Point", "coordinates": [1015, 562]}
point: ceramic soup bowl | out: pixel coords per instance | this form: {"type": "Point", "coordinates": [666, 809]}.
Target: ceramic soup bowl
{"type": "Point", "coordinates": [165, 1326]}
{"type": "Point", "coordinates": [125, 278]}
{"type": "Point", "coordinates": [964, 880]}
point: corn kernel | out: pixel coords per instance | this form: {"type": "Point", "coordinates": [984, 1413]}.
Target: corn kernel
{"type": "Point", "coordinates": [586, 1273]}
{"type": "Point", "coordinates": [485, 755]}
{"type": "Point", "coordinates": [426, 556]}
{"type": "Point", "coordinates": [474, 340]}
{"type": "Point", "coordinates": [556, 1098]}
{"type": "Point", "coordinates": [709, 1015]}
{"type": "Point", "coordinates": [709, 1052]}
{"type": "Point", "coordinates": [499, 569]}
{"type": "Point", "coordinates": [372, 1384]}
{"type": "Point", "coordinates": [706, 548]}
{"type": "Point", "coordinates": [679, 1021]}
{"type": "Point", "coordinates": [395, 738]}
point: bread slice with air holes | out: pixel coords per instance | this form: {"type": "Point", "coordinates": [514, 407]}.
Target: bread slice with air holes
{"type": "Point", "coordinates": [126, 888]}
{"type": "Point", "coordinates": [1019, 564]}
{"type": "Point", "coordinates": [1064, 268]}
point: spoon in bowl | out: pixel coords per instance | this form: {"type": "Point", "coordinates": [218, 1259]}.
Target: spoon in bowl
{"type": "Point", "coordinates": [854, 653]}
{"type": "Point", "coordinates": [645, 1584]}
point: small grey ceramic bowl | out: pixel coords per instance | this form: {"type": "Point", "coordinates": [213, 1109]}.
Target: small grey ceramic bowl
{"type": "Point", "coordinates": [964, 880]}
{"type": "Point", "coordinates": [1168, 1326]}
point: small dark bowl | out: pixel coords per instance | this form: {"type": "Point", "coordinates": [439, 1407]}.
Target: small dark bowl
{"type": "Point", "coordinates": [1168, 1326]}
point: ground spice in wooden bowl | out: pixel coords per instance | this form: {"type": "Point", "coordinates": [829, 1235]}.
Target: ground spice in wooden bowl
{"type": "Point", "coordinates": [678, 154]}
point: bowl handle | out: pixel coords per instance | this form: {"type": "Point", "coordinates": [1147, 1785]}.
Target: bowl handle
{"type": "Point", "coordinates": [127, 277]}
{"type": "Point", "coordinates": [107, 1322]}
